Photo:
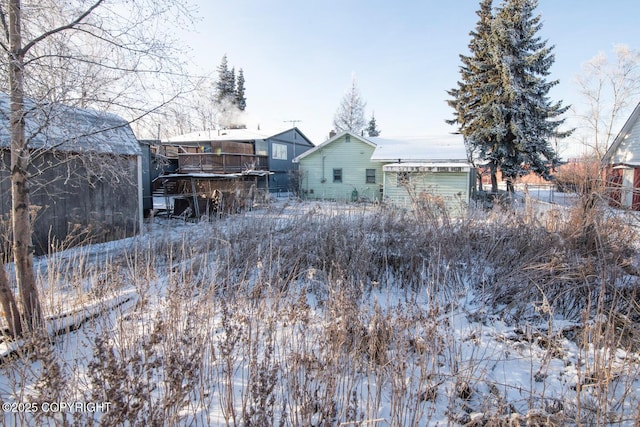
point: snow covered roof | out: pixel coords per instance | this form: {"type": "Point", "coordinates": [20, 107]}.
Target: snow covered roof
{"type": "Point", "coordinates": [227, 135]}
{"type": "Point", "coordinates": [626, 165]}
{"type": "Point", "coordinates": [437, 148]}
{"type": "Point", "coordinates": [63, 128]}
{"type": "Point", "coordinates": [220, 135]}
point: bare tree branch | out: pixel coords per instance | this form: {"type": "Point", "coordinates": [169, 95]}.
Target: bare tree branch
{"type": "Point", "coordinates": [608, 89]}
{"type": "Point", "coordinates": [69, 26]}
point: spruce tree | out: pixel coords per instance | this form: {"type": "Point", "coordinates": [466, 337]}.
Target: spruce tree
{"type": "Point", "coordinates": [372, 127]}
{"type": "Point", "coordinates": [241, 101]}
{"type": "Point", "coordinates": [225, 85]}
{"type": "Point", "coordinates": [231, 83]}
{"type": "Point", "coordinates": [476, 91]}
{"type": "Point", "coordinates": [529, 119]}
{"type": "Point", "coordinates": [502, 104]}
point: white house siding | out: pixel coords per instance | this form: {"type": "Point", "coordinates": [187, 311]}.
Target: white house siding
{"type": "Point", "coordinates": [452, 187]}
{"type": "Point", "coordinates": [629, 149]}
{"type": "Point", "coordinates": [353, 158]}
{"type": "Point", "coordinates": [623, 160]}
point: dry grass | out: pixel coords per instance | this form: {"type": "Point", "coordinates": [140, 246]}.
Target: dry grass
{"type": "Point", "coordinates": [327, 318]}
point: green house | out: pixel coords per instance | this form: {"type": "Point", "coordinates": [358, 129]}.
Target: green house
{"type": "Point", "coordinates": [341, 169]}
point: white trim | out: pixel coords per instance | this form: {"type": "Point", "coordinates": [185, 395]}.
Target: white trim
{"type": "Point", "coordinates": [426, 167]}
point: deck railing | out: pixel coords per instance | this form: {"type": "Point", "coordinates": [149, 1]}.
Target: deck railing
{"type": "Point", "coordinates": [220, 163]}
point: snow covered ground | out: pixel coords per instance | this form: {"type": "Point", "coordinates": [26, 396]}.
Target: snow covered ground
{"type": "Point", "coordinates": [316, 314]}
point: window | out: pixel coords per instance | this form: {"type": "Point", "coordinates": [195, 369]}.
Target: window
{"type": "Point", "coordinates": [337, 175]}
{"type": "Point", "coordinates": [371, 176]}
{"type": "Point", "coordinates": [279, 152]}
{"type": "Point", "coordinates": [262, 147]}
{"type": "Point", "coordinates": [347, 138]}
{"type": "Point", "coordinates": [403, 179]}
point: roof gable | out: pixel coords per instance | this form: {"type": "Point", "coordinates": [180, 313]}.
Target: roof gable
{"type": "Point", "coordinates": [625, 148]}
{"type": "Point", "coordinates": [62, 128]}
{"type": "Point", "coordinates": [297, 131]}
{"type": "Point", "coordinates": [331, 141]}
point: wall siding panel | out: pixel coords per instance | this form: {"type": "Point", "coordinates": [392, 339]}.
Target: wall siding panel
{"type": "Point", "coordinates": [353, 158]}
{"type": "Point", "coordinates": [67, 195]}
{"type": "Point", "coordinates": [629, 149]}
{"type": "Point", "coordinates": [452, 187]}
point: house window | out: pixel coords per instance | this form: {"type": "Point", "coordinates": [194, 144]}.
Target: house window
{"type": "Point", "coordinates": [262, 147]}
{"type": "Point", "coordinates": [337, 175]}
{"type": "Point", "coordinates": [371, 176]}
{"type": "Point", "coordinates": [347, 138]}
{"type": "Point", "coordinates": [403, 179]}
{"type": "Point", "coordinates": [279, 152]}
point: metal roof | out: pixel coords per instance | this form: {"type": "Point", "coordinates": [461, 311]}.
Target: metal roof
{"type": "Point", "coordinates": [62, 128]}
{"type": "Point", "coordinates": [448, 147]}
{"type": "Point", "coordinates": [235, 135]}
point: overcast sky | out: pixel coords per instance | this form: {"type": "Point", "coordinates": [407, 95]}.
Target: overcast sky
{"type": "Point", "coordinates": [298, 56]}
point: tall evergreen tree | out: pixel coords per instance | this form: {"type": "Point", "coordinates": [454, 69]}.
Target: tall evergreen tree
{"type": "Point", "coordinates": [476, 92]}
{"type": "Point", "coordinates": [530, 120]}
{"type": "Point", "coordinates": [231, 78]}
{"type": "Point", "coordinates": [350, 113]}
{"type": "Point", "coordinates": [225, 85]}
{"type": "Point", "coordinates": [241, 100]}
{"type": "Point", "coordinates": [229, 96]}
{"type": "Point", "coordinates": [502, 104]}
{"type": "Point", "coordinates": [372, 127]}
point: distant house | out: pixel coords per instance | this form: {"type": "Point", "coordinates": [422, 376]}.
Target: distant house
{"type": "Point", "coordinates": [425, 170]}
{"type": "Point", "coordinates": [400, 172]}
{"type": "Point", "coordinates": [622, 160]}
{"type": "Point", "coordinates": [85, 175]}
{"type": "Point", "coordinates": [341, 169]}
{"type": "Point", "coordinates": [270, 151]}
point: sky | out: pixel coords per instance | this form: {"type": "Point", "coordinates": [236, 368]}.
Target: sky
{"type": "Point", "coordinates": [299, 57]}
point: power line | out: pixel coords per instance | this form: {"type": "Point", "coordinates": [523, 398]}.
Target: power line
{"type": "Point", "coordinates": [293, 122]}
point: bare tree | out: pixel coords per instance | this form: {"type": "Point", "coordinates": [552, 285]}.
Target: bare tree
{"type": "Point", "coordinates": [9, 305]}
{"type": "Point", "coordinates": [111, 57]}
{"type": "Point", "coordinates": [350, 113]}
{"type": "Point", "coordinates": [609, 90]}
